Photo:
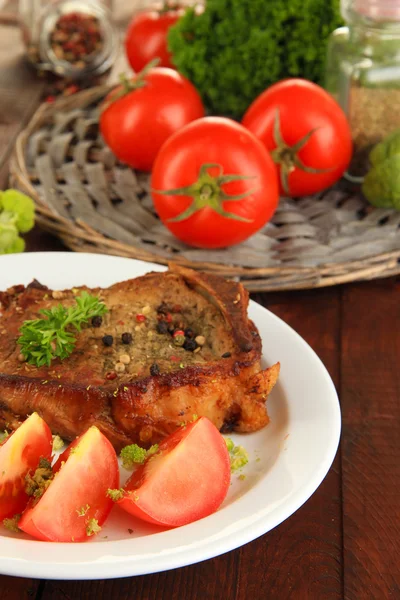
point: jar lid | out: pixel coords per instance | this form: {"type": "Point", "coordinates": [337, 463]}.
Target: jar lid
{"type": "Point", "coordinates": [376, 10]}
{"type": "Point", "coordinates": [77, 38]}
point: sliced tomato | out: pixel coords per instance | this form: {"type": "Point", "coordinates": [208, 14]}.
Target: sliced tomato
{"type": "Point", "coordinates": [186, 480]}
{"type": "Point", "coordinates": [77, 497]}
{"type": "Point", "coordinates": [19, 454]}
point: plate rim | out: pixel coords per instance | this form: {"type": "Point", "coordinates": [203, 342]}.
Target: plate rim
{"type": "Point", "coordinates": [121, 567]}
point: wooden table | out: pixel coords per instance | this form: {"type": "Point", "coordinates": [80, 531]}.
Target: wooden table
{"type": "Point", "coordinates": [345, 541]}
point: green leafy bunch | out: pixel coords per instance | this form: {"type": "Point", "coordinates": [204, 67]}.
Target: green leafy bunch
{"type": "Point", "coordinates": [381, 185]}
{"type": "Point", "coordinates": [17, 215]}
{"type": "Point", "coordinates": [43, 340]}
{"type": "Point", "coordinates": [235, 49]}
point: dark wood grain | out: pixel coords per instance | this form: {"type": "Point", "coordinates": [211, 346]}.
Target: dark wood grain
{"type": "Point", "coordinates": [16, 588]}
{"type": "Point", "coordinates": [302, 558]}
{"type": "Point", "coordinates": [212, 580]}
{"type": "Point", "coordinates": [371, 440]}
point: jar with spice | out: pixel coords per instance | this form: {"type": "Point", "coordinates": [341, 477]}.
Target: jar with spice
{"type": "Point", "coordinates": [363, 72]}
{"type": "Point", "coordinates": [71, 38]}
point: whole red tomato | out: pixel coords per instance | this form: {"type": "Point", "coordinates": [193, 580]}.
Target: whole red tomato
{"type": "Point", "coordinates": [214, 184]}
{"type": "Point", "coordinates": [306, 132]}
{"type": "Point", "coordinates": [146, 37]}
{"type": "Point", "coordinates": [140, 115]}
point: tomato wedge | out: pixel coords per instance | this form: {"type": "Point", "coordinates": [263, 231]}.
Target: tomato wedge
{"type": "Point", "coordinates": [19, 454]}
{"type": "Point", "coordinates": [186, 480]}
{"type": "Point", "coordinates": [75, 505]}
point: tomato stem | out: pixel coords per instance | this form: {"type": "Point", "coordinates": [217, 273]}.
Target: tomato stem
{"type": "Point", "coordinates": [287, 156]}
{"type": "Point", "coordinates": [207, 192]}
{"type": "Point", "coordinates": [130, 85]}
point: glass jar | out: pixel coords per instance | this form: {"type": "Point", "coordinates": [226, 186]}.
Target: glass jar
{"type": "Point", "coordinates": [72, 38]}
{"type": "Point", "coordinates": [363, 72]}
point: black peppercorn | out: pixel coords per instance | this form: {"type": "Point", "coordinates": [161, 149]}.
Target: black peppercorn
{"type": "Point", "coordinates": [190, 345]}
{"type": "Point", "coordinates": [226, 355]}
{"type": "Point", "coordinates": [171, 329]}
{"type": "Point", "coordinates": [126, 337]}
{"type": "Point", "coordinates": [189, 333]}
{"type": "Point", "coordinates": [107, 340]}
{"type": "Point", "coordinates": [154, 370]}
{"type": "Point", "coordinates": [97, 321]}
{"type": "Point", "coordinates": [162, 327]}
{"type": "Point", "coordinates": [163, 309]}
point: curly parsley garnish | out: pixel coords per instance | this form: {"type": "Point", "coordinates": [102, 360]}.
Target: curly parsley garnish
{"type": "Point", "coordinates": [43, 340]}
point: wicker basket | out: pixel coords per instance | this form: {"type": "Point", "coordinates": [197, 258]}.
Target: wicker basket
{"type": "Point", "coordinates": [95, 204]}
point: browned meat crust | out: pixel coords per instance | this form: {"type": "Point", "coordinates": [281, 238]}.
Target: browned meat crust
{"type": "Point", "coordinates": [223, 380]}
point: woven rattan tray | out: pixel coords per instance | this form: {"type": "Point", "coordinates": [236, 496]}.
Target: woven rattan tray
{"type": "Point", "coordinates": [95, 204]}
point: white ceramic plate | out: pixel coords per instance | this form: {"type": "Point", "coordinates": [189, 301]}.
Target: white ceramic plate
{"type": "Point", "coordinates": [288, 459]}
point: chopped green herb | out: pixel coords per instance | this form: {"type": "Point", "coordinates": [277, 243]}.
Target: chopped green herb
{"type": "Point", "coordinates": [58, 443]}
{"type": "Point", "coordinates": [83, 510]}
{"type": "Point", "coordinates": [239, 456]}
{"type": "Point", "coordinates": [229, 444]}
{"type": "Point", "coordinates": [131, 455]}
{"type": "Point", "coordinates": [115, 495]}
{"type": "Point", "coordinates": [134, 454]}
{"type": "Point", "coordinates": [37, 484]}
{"type": "Point", "coordinates": [152, 450]}
{"type": "Point", "coordinates": [93, 527]}
{"type": "Point", "coordinates": [12, 524]}
{"type": "Point", "coordinates": [3, 435]}
{"type": "Point", "coordinates": [43, 340]}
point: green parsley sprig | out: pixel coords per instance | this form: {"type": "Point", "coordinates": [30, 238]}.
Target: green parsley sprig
{"type": "Point", "coordinates": [43, 340]}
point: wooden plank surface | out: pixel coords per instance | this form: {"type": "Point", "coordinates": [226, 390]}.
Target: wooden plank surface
{"type": "Point", "coordinates": [302, 558]}
{"type": "Point", "coordinates": [370, 393]}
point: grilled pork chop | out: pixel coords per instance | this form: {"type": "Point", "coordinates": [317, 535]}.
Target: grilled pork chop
{"type": "Point", "coordinates": [129, 373]}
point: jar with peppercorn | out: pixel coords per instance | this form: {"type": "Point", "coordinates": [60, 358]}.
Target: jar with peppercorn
{"type": "Point", "coordinates": [71, 38]}
{"type": "Point", "coordinates": [363, 72]}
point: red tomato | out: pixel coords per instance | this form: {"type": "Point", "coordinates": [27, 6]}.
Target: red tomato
{"type": "Point", "coordinates": [136, 125]}
{"type": "Point", "coordinates": [214, 184]}
{"type": "Point", "coordinates": [146, 37]}
{"type": "Point", "coordinates": [77, 495]}
{"type": "Point", "coordinates": [19, 454]}
{"type": "Point", "coordinates": [186, 480]}
{"type": "Point", "coordinates": [307, 133]}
